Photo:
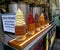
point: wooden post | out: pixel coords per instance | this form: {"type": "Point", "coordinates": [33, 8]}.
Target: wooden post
{"type": "Point", "coordinates": [1, 36]}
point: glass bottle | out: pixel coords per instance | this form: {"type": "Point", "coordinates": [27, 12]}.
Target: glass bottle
{"type": "Point", "coordinates": [42, 20]}
{"type": "Point", "coordinates": [20, 26]}
{"type": "Point", "coordinates": [37, 24]}
{"type": "Point", "coordinates": [30, 24]}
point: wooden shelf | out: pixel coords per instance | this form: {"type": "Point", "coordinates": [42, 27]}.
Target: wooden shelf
{"type": "Point", "coordinates": [22, 44]}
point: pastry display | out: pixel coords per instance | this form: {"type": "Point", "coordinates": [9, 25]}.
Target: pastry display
{"type": "Point", "coordinates": [42, 20]}
{"type": "Point", "coordinates": [30, 24]}
{"type": "Point", "coordinates": [37, 24]}
{"type": "Point", "coordinates": [20, 26]}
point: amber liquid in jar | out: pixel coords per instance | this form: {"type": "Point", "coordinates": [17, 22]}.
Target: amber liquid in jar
{"type": "Point", "coordinates": [20, 30]}
{"type": "Point", "coordinates": [31, 27]}
{"type": "Point", "coordinates": [42, 20]}
{"type": "Point", "coordinates": [37, 24]}
{"type": "Point", "coordinates": [30, 24]}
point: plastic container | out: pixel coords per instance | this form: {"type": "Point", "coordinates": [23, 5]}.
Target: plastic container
{"type": "Point", "coordinates": [37, 23]}
{"type": "Point", "coordinates": [30, 24]}
{"type": "Point", "coordinates": [13, 7]}
{"type": "Point", "coordinates": [20, 26]}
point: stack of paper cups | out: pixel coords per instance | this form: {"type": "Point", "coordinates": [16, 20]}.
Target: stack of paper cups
{"type": "Point", "coordinates": [13, 7]}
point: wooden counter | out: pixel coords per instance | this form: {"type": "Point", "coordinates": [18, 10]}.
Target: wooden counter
{"type": "Point", "coordinates": [22, 44]}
